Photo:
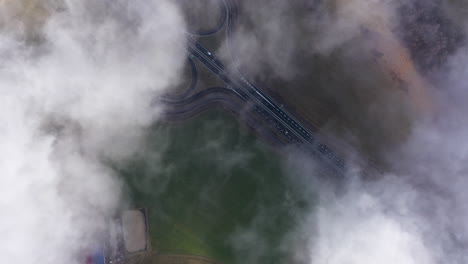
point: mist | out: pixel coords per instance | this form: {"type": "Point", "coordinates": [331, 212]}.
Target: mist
{"type": "Point", "coordinates": [77, 79]}
{"type": "Point", "coordinates": [76, 82]}
{"type": "Point", "coordinates": [415, 212]}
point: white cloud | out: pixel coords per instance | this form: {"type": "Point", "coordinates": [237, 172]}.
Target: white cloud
{"type": "Point", "coordinates": [356, 228]}
{"type": "Point", "coordinates": [77, 97]}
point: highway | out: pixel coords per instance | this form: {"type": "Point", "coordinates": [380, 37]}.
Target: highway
{"type": "Point", "coordinates": [186, 93]}
{"type": "Point", "coordinates": [263, 105]}
{"type": "Point", "coordinates": [228, 99]}
{"type": "Point", "coordinates": [266, 107]}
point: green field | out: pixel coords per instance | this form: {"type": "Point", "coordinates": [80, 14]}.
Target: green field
{"type": "Point", "coordinates": [212, 189]}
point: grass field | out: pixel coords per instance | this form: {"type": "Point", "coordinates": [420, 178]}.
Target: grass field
{"type": "Point", "coordinates": [212, 189]}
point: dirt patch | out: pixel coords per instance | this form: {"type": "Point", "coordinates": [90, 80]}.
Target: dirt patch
{"type": "Point", "coordinates": [134, 231]}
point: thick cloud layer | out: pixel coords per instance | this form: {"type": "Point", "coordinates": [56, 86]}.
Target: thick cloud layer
{"type": "Point", "coordinates": [356, 228]}
{"type": "Point", "coordinates": [416, 213]}
{"type": "Point", "coordinates": [75, 92]}
{"type": "Point", "coordinates": [76, 83]}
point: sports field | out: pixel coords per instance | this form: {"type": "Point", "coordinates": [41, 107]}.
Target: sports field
{"type": "Point", "coordinates": [212, 189]}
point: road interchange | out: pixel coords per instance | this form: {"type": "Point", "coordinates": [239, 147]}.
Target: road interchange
{"type": "Point", "coordinates": [261, 103]}
{"type": "Point", "coordinates": [266, 107]}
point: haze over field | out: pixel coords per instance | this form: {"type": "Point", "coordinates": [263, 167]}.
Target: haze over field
{"type": "Point", "coordinates": [417, 212]}
{"type": "Point", "coordinates": [77, 79]}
